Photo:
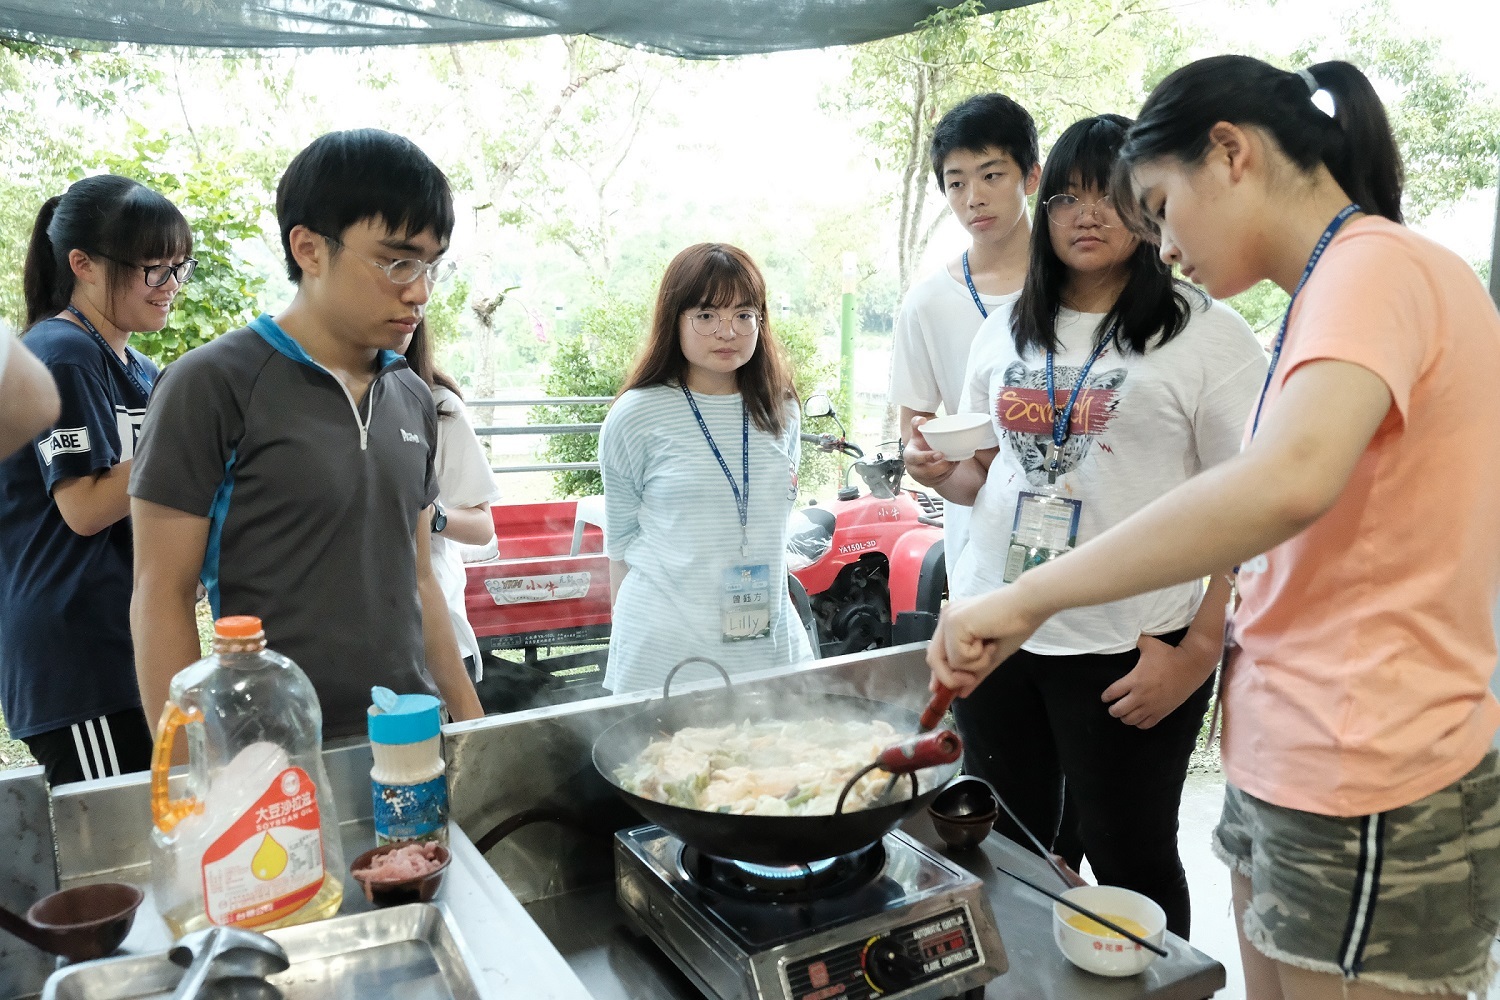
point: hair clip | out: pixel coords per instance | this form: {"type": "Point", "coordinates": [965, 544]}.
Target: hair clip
{"type": "Point", "coordinates": [1317, 93]}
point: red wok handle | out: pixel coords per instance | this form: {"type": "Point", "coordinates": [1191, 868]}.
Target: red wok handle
{"type": "Point", "coordinates": [935, 710]}
{"type": "Point", "coordinates": [931, 750]}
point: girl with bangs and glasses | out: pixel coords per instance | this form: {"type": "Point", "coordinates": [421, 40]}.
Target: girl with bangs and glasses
{"type": "Point", "coordinates": [1107, 382]}
{"type": "Point", "coordinates": [106, 260]}
{"type": "Point", "coordinates": [699, 456]}
{"type": "Point", "coordinates": [1361, 818]}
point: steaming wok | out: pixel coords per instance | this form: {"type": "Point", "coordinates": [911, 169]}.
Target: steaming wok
{"type": "Point", "coordinates": [767, 840]}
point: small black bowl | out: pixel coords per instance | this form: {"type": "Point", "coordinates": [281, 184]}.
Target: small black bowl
{"type": "Point", "coordinates": [964, 812]}
{"type": "Point", "coordinates": [413, 890]}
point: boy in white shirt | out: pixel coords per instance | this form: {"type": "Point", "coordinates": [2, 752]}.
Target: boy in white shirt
{"type": "Point", "coordinates": [985, 159]}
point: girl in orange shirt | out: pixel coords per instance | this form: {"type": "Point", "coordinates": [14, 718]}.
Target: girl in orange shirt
{"type": "Point", "coordinates": [1362, 814]}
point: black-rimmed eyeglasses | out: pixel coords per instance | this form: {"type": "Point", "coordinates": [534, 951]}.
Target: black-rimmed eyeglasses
{"type": "Point", "coordinates": [157, 274]}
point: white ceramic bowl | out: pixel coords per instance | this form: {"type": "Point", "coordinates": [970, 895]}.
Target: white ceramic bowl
{"type": "Point", "coordinates": [959, 435]}
{"type": "Point", "coordinates": [1108, 956]}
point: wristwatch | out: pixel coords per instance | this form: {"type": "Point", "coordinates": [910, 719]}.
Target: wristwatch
{"type": "Point", "coordinates": [439, 518]}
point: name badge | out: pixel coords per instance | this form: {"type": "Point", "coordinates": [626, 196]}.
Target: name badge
{"type": "Point", "coordinates": [1045, 527]}
{"type": "Point", "coordinates": [745, 602]}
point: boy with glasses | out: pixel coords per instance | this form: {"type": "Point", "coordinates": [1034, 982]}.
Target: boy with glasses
{"type": "Point", "coordinates": [985, 159]}
{"type": "Point", "coordinates": [288, 465]}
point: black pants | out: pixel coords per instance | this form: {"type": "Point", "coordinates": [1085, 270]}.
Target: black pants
{"type": "Point", "coordinates": [118, 743]}
{"type": "Point", "coordinates": [1037, 724]}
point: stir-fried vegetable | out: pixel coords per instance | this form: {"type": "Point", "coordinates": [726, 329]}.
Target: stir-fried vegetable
{"type": "Point", "coordinates": [762, 768]}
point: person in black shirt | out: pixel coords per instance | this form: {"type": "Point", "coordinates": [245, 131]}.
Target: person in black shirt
{"type": "Point", "coordinates": [106, 260]}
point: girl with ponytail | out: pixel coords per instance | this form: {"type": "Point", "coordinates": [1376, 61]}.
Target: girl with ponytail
{"type": "Point", "coordinates": [106, 260]}
{"type": "Point", "coordinates": [1362, 814]}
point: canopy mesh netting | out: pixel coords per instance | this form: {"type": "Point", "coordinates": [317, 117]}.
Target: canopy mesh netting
{"type": "Point", "coordinates": [694, 28]}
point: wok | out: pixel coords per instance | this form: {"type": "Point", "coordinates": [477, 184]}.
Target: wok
{"type": "Point", "coordinates": [767, 840]}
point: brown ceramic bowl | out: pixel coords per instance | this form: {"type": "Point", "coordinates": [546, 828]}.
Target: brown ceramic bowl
{"type": "Point", "coordinates": [964, 812]}
{"type": "Point", "coordinates": [87, 921]}
{"type": "Point", "coordinates": [412, 890]}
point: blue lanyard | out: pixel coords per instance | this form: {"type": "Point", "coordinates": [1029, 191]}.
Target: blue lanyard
{"type": "Point", "coordinates": [969, 280]}
{"type": "Point", "coordinates": [1062, 419]}
{"type": "Point", "coordinates": [741, 498]}
{"type": "Point", "coordinates": [133, 370]}
{"type": "Point", "coordinates": [1312, 262]}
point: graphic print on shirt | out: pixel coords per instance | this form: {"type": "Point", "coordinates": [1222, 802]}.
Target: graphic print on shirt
{"type": "Point", "coordinates": [128, 420]}
{"type": "Point", "coordinates": [1025, 415]}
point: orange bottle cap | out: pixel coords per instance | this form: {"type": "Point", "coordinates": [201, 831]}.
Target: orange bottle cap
{"type": "Point", "coordinates": [238, 627]}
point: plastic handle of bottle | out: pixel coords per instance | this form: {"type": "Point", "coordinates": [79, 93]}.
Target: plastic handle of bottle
{"type": "Point", "coordinates": [166, 811]}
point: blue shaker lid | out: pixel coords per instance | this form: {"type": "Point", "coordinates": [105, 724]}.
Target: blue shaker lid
{"type": "Point", "coordinates": [402, 718]}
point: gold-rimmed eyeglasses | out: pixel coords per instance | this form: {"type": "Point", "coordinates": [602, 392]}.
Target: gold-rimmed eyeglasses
{"type": "Point", "coordinates": [707, 322]}
{"type": "Point", "coordinates": [1066, 210]}
{"type": "Point", "coordinates": [406, 271]}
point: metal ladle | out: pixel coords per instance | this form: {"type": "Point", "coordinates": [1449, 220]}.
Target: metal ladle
{"type": "Point", "coordinates": [85, 922]}
{"type": "Point", "coordinates": [229, 955]}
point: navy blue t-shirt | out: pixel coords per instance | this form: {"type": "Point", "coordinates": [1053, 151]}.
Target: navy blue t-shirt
{"type": "Point", "coordinates": [65, 650]}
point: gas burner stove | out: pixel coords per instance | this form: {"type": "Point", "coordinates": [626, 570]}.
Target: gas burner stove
{"type": "Point", "coordinates": [891, 921]}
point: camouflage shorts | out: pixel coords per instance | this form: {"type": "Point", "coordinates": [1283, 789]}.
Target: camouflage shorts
{"type": "Point", "coordinates": [1408, 899]}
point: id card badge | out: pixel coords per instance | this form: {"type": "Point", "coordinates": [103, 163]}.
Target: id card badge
{"type": "Point", "coordinates": [745, 602]}
{"type": "Point", "coordinates": [1045, 527]}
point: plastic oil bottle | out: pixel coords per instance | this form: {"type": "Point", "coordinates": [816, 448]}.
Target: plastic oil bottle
{"type": "Point", "coordinates": [255, 843]}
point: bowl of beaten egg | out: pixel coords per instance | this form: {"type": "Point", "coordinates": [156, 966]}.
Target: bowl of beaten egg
{"type": "Point", "coordinates": [1095, 948]}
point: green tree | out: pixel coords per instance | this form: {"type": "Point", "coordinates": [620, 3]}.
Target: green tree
{"type": "Point", "coordinates": [592, 362]}
{"type": "Point", "coordinates": [1061, 60]}
{"type": "Point", "coordinates": [1446, 123]}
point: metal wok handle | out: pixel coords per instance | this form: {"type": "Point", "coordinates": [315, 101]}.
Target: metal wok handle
{"type": "Point", "coordinates": [666, 687]}
{"type": "Point", "coordinates": [909, 757]}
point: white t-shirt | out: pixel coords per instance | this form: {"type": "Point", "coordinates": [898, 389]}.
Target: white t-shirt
{"type": "Point", "coordinates": [1144, 425]}
{"type": "Point", "coordinates": [5, 339]}
{"type": "Point", "coordinates": [929, 358]}
{"type": "Point", "coordinates": [464, 480]}
{"type": "Point", "coordinates": [670, 515]}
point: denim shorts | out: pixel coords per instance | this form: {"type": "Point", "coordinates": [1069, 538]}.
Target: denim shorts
{"type": "Point", "coordinates": [1407, 899]}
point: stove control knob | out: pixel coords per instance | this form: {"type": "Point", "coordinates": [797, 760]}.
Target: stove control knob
{"type": "Point", "coordinates": [888, 968]}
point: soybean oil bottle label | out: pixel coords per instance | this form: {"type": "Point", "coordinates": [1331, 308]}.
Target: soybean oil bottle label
{"type": "Point", "coordinates": [411, 812]}
{"type": "Point", "coordinates": [270, 861]}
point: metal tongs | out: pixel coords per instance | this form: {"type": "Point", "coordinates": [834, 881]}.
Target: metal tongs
{"type": "Point", "coordinates": [905, 759]}
{"type": "Point", "coordinates": [227, 962]}
{"type": "Point", "coordinates": [931, 716]}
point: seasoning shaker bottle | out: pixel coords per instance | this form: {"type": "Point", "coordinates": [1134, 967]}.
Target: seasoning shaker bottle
{"type": "Point", "coordinates": [409, 781]}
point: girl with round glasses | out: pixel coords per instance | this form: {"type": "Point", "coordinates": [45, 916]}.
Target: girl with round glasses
{"type": "Point", "coordinates": [106, 260]}
{"type": "Point", "coordinates": [1107, 383]}
{"type": "Point", "coordinates": [699, 455]}
{"type": "Point", "coordinates": [1361, 818]}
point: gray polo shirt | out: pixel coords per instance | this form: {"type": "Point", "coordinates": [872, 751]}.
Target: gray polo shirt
{"type": "Point", "coordinates": [312, 505]}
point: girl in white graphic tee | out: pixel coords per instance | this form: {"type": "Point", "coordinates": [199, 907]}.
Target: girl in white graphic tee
{"type": "Point", "coordinates": [1107, 383]}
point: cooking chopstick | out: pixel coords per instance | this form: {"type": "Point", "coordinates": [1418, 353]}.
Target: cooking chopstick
{"type": "Point", "coordinates": [1158, 949]}
{"type": "Point", "coordinates": [1046, 854]}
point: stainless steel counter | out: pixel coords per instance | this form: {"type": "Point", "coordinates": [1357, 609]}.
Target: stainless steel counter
{"type": "Point", "coordinates": [538, 910]}
{"type": "Point", "coordinates": [538, 764]}
{"type": "Point", "coordinates": [101, 837]}
{"type": "Point", "coordinates": [615, 963]}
